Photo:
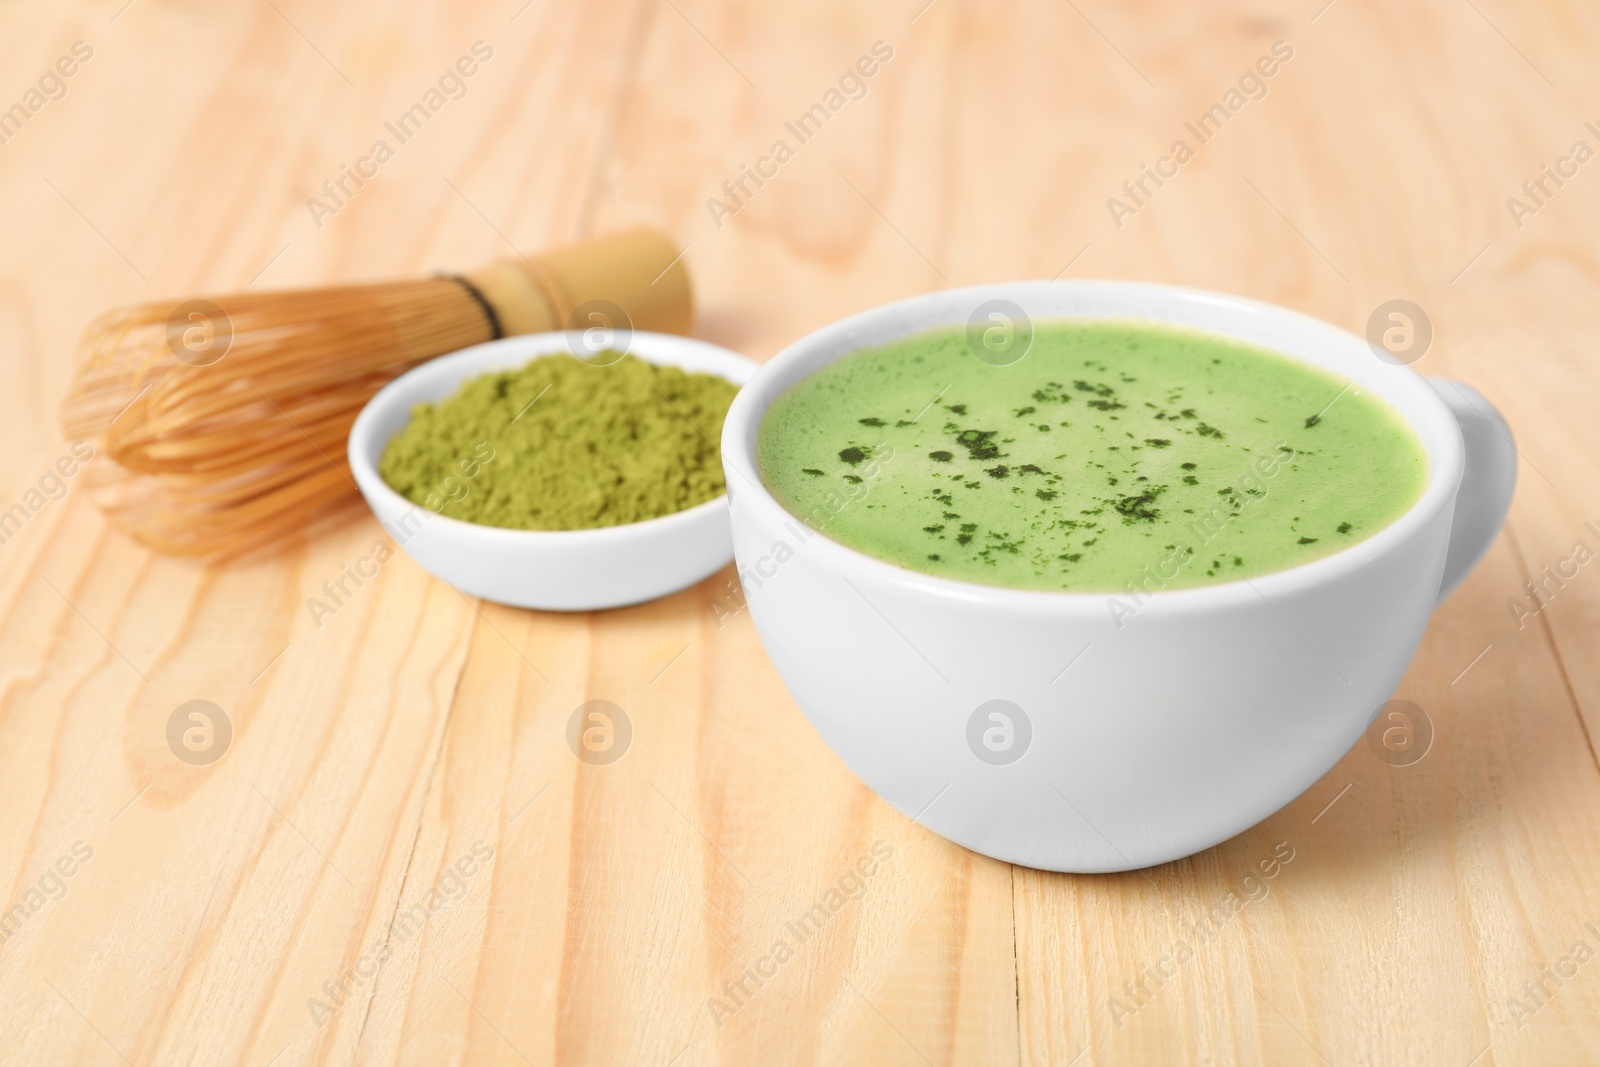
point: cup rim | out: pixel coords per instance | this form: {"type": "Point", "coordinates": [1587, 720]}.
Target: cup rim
{"type": "Point", "coordinates": [440, 377]}
{"type": "Point", "coordinates": [1429, 418]}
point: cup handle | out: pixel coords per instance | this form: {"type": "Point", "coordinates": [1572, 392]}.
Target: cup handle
{"type": "Point", "coordinates": [1486, 484]}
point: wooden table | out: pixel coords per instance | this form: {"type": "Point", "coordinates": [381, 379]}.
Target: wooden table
{"type": "Point", "coordinates": [396, 857]}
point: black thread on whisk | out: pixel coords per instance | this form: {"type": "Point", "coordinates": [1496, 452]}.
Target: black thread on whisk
{"type": "Point", "coordinates": [482, 301]}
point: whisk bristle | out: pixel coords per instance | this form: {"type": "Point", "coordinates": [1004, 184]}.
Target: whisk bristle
{"type": "Point", "coordinates": [232, 438]}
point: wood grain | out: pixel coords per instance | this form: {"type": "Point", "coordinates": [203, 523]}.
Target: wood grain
{"type": "Point", "coordinates": [398, 859]}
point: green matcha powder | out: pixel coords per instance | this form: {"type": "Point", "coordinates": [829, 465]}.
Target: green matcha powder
{"type": "Point", "coordinates": [562, 444]}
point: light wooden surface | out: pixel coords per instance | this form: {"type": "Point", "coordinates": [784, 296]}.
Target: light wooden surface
{"type": "Point", "coordinates": [370, 753]}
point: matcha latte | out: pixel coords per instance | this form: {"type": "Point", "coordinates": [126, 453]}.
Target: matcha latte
{"type": "Point", "coordinates": [1113, 452]}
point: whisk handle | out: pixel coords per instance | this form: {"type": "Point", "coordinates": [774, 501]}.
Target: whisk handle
{"type": "Point", "coordinates": [635, 279]}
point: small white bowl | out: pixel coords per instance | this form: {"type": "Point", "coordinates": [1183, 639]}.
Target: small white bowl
{"type": "Point", "coordinates": [553, 570]}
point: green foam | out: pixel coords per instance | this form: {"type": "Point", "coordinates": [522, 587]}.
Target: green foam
{"type": "Point", "coordinates": [1114, 452]}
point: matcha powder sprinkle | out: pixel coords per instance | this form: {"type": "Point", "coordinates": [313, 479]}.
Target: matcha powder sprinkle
{"type": "Point", "coordinates": [561, 444]}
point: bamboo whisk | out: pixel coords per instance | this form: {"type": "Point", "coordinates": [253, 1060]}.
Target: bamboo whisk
{"type": "Point", "coordinates": [220, 425]}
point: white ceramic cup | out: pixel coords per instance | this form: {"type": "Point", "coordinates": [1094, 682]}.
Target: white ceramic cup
{"type": "Point", "coordinates": [553, 570]}
{"type": "Point", "coordinates": [1123, 741]}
